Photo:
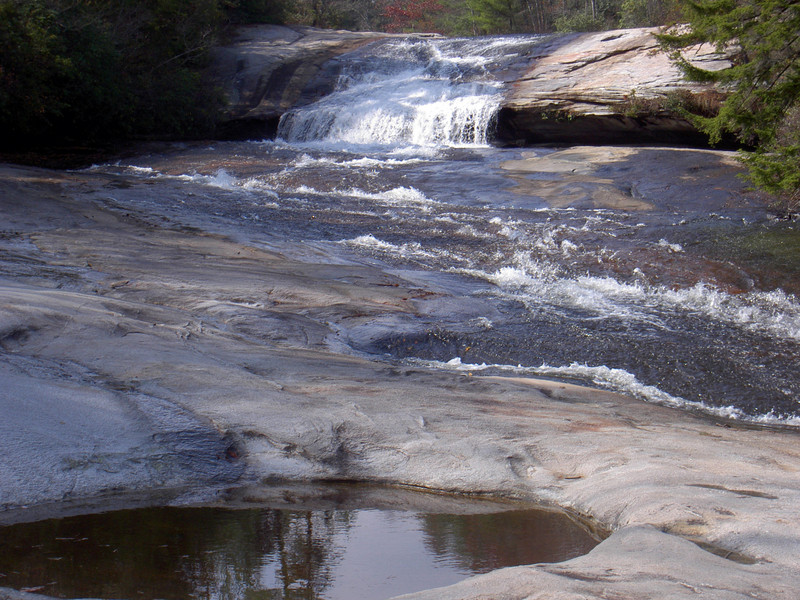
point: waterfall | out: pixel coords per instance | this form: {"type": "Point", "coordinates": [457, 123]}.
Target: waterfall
{"type": "Point", "coordinates": [411, 91]}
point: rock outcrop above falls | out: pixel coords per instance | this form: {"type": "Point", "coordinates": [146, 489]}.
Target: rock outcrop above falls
{"type": "Point", "coordinates": [607, 87]}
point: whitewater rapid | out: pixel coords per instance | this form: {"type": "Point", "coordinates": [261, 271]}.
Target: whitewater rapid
{"type": "Point", "coordinates": [395, 168]}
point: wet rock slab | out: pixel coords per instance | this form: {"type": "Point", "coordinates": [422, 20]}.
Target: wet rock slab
{"type": "Point", "coordinates": [681, 180]}
{"type": "Point", "coordinates": [139, 355]}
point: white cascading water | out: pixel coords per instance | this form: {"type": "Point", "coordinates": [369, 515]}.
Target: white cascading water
{"type": "Point", "coordinates": [418, 92]}
{"type": "Point", "coordinates": [592, 293]}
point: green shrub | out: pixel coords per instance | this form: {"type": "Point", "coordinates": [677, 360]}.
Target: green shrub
{"type": "Point", "coordinates": [85, 72]}
{"type": "Point", "coordinates": [763, 108]}
{"type": "Point", "coordinates": [581, 21]}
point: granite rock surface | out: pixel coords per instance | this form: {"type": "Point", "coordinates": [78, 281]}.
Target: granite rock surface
{"type": "Point", "coordinates": [267, 69]}
{"type": "Point", "coordinates": [144, 355]}
{"type": "Point", "coordinates": [608, 87]}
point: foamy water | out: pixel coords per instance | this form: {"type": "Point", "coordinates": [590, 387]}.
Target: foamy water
{"type": "Point", "coordinates": [773, 313]}
{"type": "Point", "coordinates": [617, 380]}
{"type": "Point", "coordinates": [424, 92]}
{"type": "Point", "coordinates": [394, 168]}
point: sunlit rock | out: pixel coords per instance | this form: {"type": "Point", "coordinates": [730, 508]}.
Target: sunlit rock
{"type": "Point", "coordinates": [607, 87]}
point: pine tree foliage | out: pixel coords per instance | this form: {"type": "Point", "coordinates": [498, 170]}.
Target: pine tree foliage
{"type": "Point", "coordinates": [763, 109]}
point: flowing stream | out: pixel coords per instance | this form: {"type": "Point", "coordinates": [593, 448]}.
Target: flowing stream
{"type": "Point", "coordinates": [674, 290]}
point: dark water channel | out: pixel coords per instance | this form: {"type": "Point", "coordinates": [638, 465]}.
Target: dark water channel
{"type": "Point", "coordinates": [269, 553]}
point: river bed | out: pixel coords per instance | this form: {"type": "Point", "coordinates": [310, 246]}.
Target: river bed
{"type": "Point", "coordinates": [649, 271]}
{"type": "Point", "coordinates": [617, 276]}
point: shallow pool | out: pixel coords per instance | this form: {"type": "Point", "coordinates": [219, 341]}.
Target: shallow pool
{"type": "Point", "coordinates": [268, 553]}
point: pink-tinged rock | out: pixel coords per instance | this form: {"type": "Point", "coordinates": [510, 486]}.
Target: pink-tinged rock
{"type": "Point", "coordinates": [606, 72]}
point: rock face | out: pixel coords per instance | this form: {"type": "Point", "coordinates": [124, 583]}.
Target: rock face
{"type": "Point", "coordinates": [268, 69]}
{"type": "Point", "coordinates": [609, 87]}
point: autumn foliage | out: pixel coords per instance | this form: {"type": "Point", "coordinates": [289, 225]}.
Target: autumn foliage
{"type": "Point", "coordinates": [411, 15]}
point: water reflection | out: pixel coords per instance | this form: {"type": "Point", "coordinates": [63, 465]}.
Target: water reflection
{"type": "Point", "coordinates": [260, 554]}
{"type": "Point", "coordinates": [482, 543]}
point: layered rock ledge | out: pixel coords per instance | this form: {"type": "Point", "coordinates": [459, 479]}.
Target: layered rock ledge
{"type": "Point", "coordinates": [590, 88]}
{"type": "Point", "coordinates": [605, 88]}
{"type": "Point", "coordinates": [144, 354]}
{"type": "Point", "coordinates": [268, 69]}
